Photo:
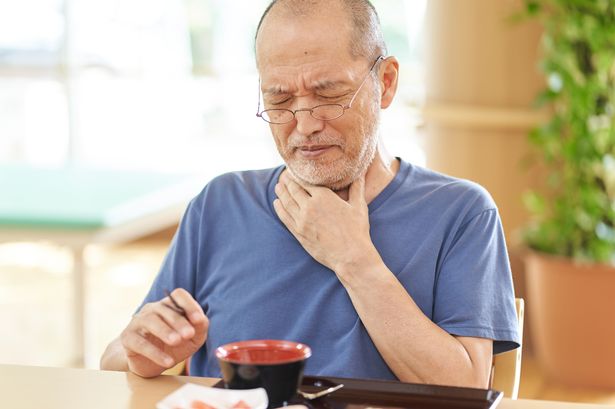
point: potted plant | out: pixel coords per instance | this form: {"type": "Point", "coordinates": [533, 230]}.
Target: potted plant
{"type": "Point", "coordinates": [570, 273]}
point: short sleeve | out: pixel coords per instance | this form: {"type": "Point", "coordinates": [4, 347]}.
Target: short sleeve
{"type": "Point", "coordinates": [178, 269]}
{"type": "Point", "coordinates": [474, 293]}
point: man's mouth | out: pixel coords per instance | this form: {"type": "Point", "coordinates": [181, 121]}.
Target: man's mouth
{"type": "Point", "coordinates": [313, 151]}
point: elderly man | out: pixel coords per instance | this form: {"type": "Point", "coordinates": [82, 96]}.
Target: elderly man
{"type": "Point", "coordinates": [387, 270]}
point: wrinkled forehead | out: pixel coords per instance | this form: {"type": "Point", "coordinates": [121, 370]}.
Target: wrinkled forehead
{"type": "Point", "coordinates": [309, 76]}
{"type": "Point", "coordinates": [274, 88]}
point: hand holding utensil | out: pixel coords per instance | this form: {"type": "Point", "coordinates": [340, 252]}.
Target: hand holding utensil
{"type": "Point", "coordinates": [178, 308]}
{"type": "Point", "coordinates": [175, 307]}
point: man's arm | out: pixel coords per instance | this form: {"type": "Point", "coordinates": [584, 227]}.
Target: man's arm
{"type": "Point", "coordinates": [336, 233]}
{"type": "Point", "coordinates": [415, 348]}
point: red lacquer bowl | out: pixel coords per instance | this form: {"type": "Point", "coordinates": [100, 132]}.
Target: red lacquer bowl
{"type": "Point", "coordinates": [275, 365]}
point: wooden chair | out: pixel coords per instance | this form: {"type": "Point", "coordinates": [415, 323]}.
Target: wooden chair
{"type": "Point", "coordinates": [506, 368]}
{"type": "Point", "coordinates": [180, 369]}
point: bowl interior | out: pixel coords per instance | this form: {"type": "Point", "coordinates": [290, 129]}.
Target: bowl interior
{"type": "Point", "coordinates": [262, 352]}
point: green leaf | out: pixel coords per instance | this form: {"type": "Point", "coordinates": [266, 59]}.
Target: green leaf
{"type": "Point", "coordinates": [532, 7]}
{"type": "Point", "coordinates": [577, 145]}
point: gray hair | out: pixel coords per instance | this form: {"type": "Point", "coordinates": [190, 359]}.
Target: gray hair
{"type": "Point", "coordinates": [366, 40]}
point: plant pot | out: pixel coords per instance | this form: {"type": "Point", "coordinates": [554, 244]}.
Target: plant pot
{"type": "Point", "coordinates": [572, 308]}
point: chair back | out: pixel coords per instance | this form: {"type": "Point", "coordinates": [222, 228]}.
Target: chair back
{"type": "Point", "coordinates": [506, 369]}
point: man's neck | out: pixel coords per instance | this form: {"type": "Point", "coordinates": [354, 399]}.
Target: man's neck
{"type": "Point", "coordinates": [379, 174]}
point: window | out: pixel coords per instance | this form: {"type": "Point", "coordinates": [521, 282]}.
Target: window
{"type": "Point", "coordinates": [153, 84]}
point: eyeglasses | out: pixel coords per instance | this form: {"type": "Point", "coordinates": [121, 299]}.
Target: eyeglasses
{"type": "Point", "coordinates": [324, 112]}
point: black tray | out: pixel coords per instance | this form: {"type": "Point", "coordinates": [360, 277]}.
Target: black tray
{"type": "Point", "coordinates": [363, 393]}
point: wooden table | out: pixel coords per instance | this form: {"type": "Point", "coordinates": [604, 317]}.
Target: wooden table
{"type": "Point", "coordinates": [76, 207]}
{"type": "Point", "coordinates": [24, 387]}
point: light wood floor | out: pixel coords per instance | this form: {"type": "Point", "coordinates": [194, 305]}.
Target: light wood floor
{"type": "Point", "coordinates": [35, 305]}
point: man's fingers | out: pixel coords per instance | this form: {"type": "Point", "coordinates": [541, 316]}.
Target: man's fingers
{"type": "Point", "coordinates": [296, 191]}
{"type": "Point", "coordinates": [157, 326]}
{"type": "Point", "coordinates": [286, 200]}
{"type": "Point", "coordinates": [175, 320]}
{"type": "Point", "coordinates": [287, 219]}
{"type": "Point", "coordinates": [302, 192]}
{"type": "Point", "coordinates": [194, 311]}
{"type": "Point", "coordinates": [299, 192]}
{"type": "Point", "coordinates": [139, 344]}
{"type": "Point", "coordinates": [356, 192]}
{"type": "Point", "coordinates": [283, 214]}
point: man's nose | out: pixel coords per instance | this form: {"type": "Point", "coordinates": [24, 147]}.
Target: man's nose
{"type": "Point", "coordinates": [306, 123]}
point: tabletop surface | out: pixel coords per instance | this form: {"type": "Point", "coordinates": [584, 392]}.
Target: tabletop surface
{"type": "Point", "coordinates": [77, 198]}
{"type": "Point", "coordinates": [60, 388]}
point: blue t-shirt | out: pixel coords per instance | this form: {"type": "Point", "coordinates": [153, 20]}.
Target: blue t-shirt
{"type": "Point", "coordinates": [440, 236]}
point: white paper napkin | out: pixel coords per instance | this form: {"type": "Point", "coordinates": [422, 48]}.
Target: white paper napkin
{"type": "Point", "coordinates": [192, 396]}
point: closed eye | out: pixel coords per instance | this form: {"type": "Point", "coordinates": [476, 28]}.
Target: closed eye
{"type": "Point", "coordinates": [279, 102]}
{"type": "Point", "coordinates": [334, 97]}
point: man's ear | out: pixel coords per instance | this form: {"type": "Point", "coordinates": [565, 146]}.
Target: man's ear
{"type": "Point", "coordinates": [389, 74]}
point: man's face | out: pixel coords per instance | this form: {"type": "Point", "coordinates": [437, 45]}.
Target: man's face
{"type": "Point", "coordinates": [307, 63]}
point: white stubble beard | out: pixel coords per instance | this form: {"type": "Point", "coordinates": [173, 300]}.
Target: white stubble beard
{"type": "Point", "coordinates": [310, 172]}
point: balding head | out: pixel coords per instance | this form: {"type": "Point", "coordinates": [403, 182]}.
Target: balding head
{"type": "Point", "coordinates": [313, 53]}
{"type": "Point", "coordinates": [365, 35]}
